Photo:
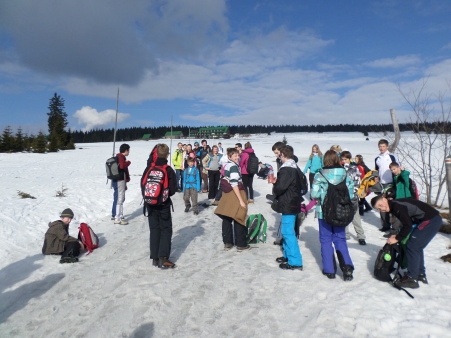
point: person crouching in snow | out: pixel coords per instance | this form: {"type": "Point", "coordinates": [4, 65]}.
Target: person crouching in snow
{"type": "Point", "coordinates": [58, 242]}
{"type": "Point", "coordinates": [334, 173]}
{"type": "Point", "coordinates": [233, 204]}
{"type": "Point", "coordinates": [288, 202]}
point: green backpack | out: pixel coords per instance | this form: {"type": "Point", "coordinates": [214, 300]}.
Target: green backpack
{"type": "Point", "coordinates": [256, 229]}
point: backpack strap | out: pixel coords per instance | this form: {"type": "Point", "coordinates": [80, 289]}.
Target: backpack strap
{"type": "Point", "coordinates": [392, 281]}
{"type": "Point", "coordinates": [263, 232]}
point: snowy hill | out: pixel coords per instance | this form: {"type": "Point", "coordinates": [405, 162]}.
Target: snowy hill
{"type": "Point", "coordinates": [116, 292]}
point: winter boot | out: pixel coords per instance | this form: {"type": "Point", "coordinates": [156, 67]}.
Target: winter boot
{"type": "Point", "coordinates": [68, 259]}
{"type": "Point", "coordinates": [286, 266]}
{"type": "Point", "coordinates": [164, 263]}
{"type": "Point", "coordinates": [228, 246]}
{"type": "Point", "coordinates": [281, 260]}
{"type": "Point", "coordinates": [347, 273]}
{"type": "Point", "coordinates": [407, 282]}
{"type": "Point", "coordinates": [422, 278]}
{"type": "Point", "coordinates": [329, 275]}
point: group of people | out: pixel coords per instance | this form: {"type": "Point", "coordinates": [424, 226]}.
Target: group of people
{"type": "Point", "coordinates": [403, 217]}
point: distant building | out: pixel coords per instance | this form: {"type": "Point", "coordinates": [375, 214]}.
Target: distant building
{"type": "Point", "coordinates": [211, 132]}
{"type": "Point", "coordinates": [175, 134]}
{"type": "Point", "coordinates": [146, 137]}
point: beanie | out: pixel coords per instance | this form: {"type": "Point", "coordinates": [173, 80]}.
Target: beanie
{"type": "Point", "coordinates": [67, 213]}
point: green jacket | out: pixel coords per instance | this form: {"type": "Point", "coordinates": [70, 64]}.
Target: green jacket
{"type": "Point", "coordinates": [402, 184]}
{"type": "Point", "coordinates": [177, 159]}
{"type": "Point", "coordinates": [56, 237]}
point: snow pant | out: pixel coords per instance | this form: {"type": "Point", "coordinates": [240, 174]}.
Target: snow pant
{"type": "Point", "coordinates": [357, 223]}
{"type": "Point", "coordinates": [160, 226]}
{"type": "Point", "coordinates": [213, 183]}
{"type": "Point", "coordinates": [419, 239]}
{"type": "Point", "coordinates": [329, 234]}
{"type": "Point", "coordinates": [113, 209]}
{"type": "Point", "coordinates": [191, 194]}
{"type": "Point", "coordinates": [71, 249]}
{"type": "Point", "coordinates": [121, 185]}
{"type": "Point", "coordinates": [248, 180]}
{"type": "Point", "coordinates": [204, 179]}
{"type": "Point", "coordinates": [179, 178]}
{"type": "Point", "coordinates": [290, 244]}
{"type": "Point", "coordinates": [227, 232]}
{"type": "Point", "coordinates": [311, 177]}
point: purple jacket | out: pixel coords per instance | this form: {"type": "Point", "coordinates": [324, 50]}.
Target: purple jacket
{"type": "Point", "coordinates": [244, 159]}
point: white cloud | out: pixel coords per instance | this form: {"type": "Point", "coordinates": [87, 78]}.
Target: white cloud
{"type": "Point", "coordinates": [91, 118]}
{"type": "Point", "coordinates": [397, 62]}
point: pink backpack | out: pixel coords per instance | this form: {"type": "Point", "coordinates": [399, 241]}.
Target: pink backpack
{"type": "Point", "coordinates": [88, 237]}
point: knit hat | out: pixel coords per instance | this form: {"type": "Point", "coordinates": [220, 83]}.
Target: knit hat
{"type": "Point", "coordinates": [67, 213]}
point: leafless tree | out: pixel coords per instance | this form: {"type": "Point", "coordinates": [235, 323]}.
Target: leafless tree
{"type": "Point", "coordinates": [424, 155]}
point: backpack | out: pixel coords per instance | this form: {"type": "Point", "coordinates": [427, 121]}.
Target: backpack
{"type": "Point", "coordinates": [384, 265]}
{"type": "Point", "coordinates": [252, 164]}
{"type": "Point", "coordinates": [256, 229]}
{"type": "Point", "coordinates": [113, 172]}
{"type": "Point", "coordinates": [304, 184]}
{"type": "Point", "coordinates": [413, 189]}
{"type": "Point", "coordinates": [337, 206]}
{"type": "Point", "coordinates": [88, 237]}
{"type": "Point", "coordinates": [155, 183]}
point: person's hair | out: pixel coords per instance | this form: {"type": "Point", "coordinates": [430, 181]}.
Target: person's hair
{"type": "Point", "coordinates": [346, 154]}
{"type": "Point", "coordinates": [184, 144]}
{"type": "Point", "coordinates": [220, 143]}
{"type": "Point", "coordinates": [287, 151]}
{"type": "Point", "coordinates": [318, 151]}
{"type": "Point", "coordinates": [247, 145]}
{"type": "Point", "coordinates": [331, 158]}
{"type": "Point", "coordinates": [189, 145]}
{"type": "Point", "coordinates": [196, 143]}
{"type": "Point", "coordinates": [277, 145]}
{"type": "Point", "coordinates": [260, 163]}
{"type": "Point", "coordinates": [180, 143]}
{"type": "Point", "coordinates": [238, 145]}
{"type": "Point", "coordinates": [393, 165]}
{"type": "Point", "coordinates": [162, 150]}
{"type": "Point", "coordinates": [382, 141]}
{"type": "Point", "coordinates": [376, 199]}
{"type": "Point", "coordinates": [359, 160]}
{"type": "Point", "coordinates": [231, 151]}
{"type": "Point", "coordinates": [124, 147]}
{"type": "Point", "coordinates": [215, 146]}
{"type": "Point", "coordinates": [190, 159]}
{"type": "Point", "coordinates": [336, 148]}
{"type": "Point", "coordinates": [203, 141]}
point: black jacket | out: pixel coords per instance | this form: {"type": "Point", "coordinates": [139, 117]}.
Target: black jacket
{"type": "Point", "coordinates": [287, 191]}
{"type": "Point", "coordinates": [410, 211]}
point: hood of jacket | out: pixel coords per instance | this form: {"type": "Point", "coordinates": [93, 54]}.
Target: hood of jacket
{"type": "Point", "coordinates": [248, 150]}
{"type": "Point", "coordinates": [289, 163]}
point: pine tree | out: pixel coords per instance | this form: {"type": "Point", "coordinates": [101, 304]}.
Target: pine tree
{"type": "Point", "coordinates": [7, 143]}
{"type": "Point", "coordinates": [57, 121]}
{"type": "Point", "coordinates": [40, 143]}
{"type": "Point", "coordinates": [19, 141]}
{"type": "Point", "coordinates": [284, 140]}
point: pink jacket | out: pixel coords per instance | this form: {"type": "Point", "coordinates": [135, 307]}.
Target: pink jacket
{"type": "Point", "coordinates": [244, 158]}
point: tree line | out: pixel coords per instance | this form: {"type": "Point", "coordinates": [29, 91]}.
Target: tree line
{"type": "Point", "coordinates": [135, 133]}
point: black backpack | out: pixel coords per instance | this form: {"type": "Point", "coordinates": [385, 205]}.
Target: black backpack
{"type": "Point", "coordinates": [252, 164]}
{"type": "Point", "coordinates": [113, 172]}
{"type": "Point", "coordinates": [304, 183]}
{"type": "Point", "coordinates": [384, 265]}
{"type": "Point", "coordinates": [337, 206]}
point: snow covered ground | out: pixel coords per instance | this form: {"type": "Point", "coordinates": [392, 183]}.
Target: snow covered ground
{"type": "Point", "coordinates": [116, 292]}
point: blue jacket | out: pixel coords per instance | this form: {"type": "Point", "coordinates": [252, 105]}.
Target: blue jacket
{"type": "Point", "coordinates": [334, 175]}
{"type": "Point", "coordinates": [191, 178]}
{"type": "Point", "coordinates": [314, 164]}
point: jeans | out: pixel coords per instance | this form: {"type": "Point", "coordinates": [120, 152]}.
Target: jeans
{"type": "Point", "coordinates": [113, 209]}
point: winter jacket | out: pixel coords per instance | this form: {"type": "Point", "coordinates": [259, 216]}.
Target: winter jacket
{"type": "Point", "coordinates": [382, 163]}
{"type": "Point", "coordinates": [211, 162]}
{"type": "Point", "coordinates": [191, 178]}
{"type": "Point", "coordinates": [354, 174]}
{"type": "Point", "coordinates": [315, 163]}
{"type": "Point", "coordinates": [56, 237]}
{"type": "Point", "coordinates": [287, 189]}
{"type": "Point", "coordinates": [177, 159]}
{"type": "Point", "coordinates": [123, 166]}
{"type": "Point", "coordinates": [245, 159]}
{"type": "Point", "coordinates": [334, 175]}
{"type": "Point", "coordinates": [203, 152]}
{"type": "Point", "coordinates": [410, 211]}
{"type": "Point", "coordinates": [402, 184]}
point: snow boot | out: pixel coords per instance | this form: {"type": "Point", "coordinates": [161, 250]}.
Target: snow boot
{"type": "Point", "coordinates": [422, 278]}
{"type": "Point", "coordinates": [407, 282]}
{"type": "Point", "coordinates": [281, 260]}
{"type": "Point", "coordinates": [164, 263]}
{"type": "Point", "coordinates": [329, 275]}
{"type": "Point", "coordinates": [286, 266]}
{"type": "Point", "coordinates": [68, 260]}
{"type": "Point", "coordinates": [347, 273]}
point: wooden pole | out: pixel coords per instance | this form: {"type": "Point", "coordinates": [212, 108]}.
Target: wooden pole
{"type": "Point", "coordinates": [115, 124]}
{"type": "Point", "coordinates": [394, 120]}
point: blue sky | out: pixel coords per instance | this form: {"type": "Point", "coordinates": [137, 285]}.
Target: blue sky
{"type": "Point", "coordinates": [216, 62]}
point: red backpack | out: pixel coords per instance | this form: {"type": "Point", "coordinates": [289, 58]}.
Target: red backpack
{"type": "Point", "coordinates": [154, 182]}
{"type": "Point", "coordinates": [88, 237]}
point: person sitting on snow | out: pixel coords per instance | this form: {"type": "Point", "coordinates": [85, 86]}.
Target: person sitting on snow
{"type": "Point", "coordinates": [58, 241]}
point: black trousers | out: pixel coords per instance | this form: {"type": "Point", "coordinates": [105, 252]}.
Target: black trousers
{"type": "Point", "coordinates": [160, 226]}
{"type": "Point", "coordinates": [248, 180]}
{"type": "Point", "coordinates": [311, 176]}
{"type": "Point", "coordinates": [227, 232]}
{"type": "Point", "coordinates": [213, 183]}
{"type": "Point", "coordinates": [71, 249]}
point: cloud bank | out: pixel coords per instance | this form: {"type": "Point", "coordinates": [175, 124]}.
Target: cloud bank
{"type": "Point", "coordinates": [91, 118]}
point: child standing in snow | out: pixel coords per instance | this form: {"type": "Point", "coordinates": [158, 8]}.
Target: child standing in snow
{"type": "Point", "coordinates": [233, 205]}
{"type": "Point", "coordinates": [401, 181]}
{"type": "Point", "coordinates": [288, 202]}
{"type": "Point", "coordinates": [58, 242]}
{"type": "Point", "coordinates": [191, 186]}
{"type": "Point", "coordinates": [314, 163]}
